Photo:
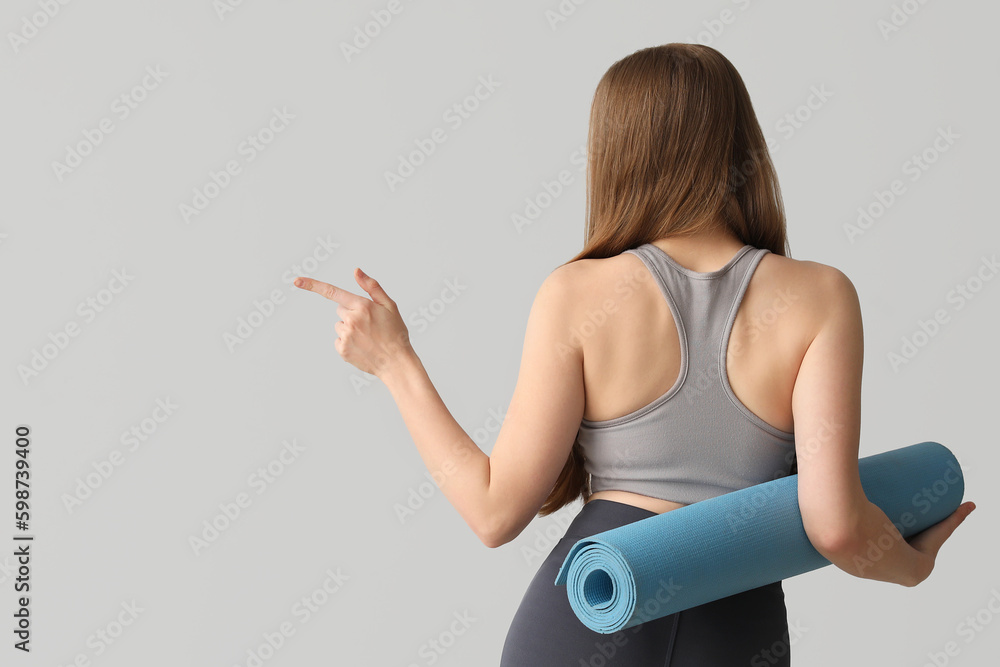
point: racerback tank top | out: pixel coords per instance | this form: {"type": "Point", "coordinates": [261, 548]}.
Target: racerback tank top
{"type": "Point", "coordinates": [697, 440]}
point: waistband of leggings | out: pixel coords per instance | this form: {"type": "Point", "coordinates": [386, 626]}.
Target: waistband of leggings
{"type": "Point", "coordinates": [613, 506]}
{"type": "Point", "coordinates": [602, 514]}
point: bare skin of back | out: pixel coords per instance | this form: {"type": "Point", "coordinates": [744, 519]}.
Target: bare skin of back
{"type": "Point", "coordinates": [636, 358]}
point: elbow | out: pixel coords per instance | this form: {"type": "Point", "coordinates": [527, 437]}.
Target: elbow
{"type": "Point", "coordinates": [834, 544]}
{"type": "Point", "coordinates": [835, 540]}
{"type": "Point", "coordinates": [837, 534]}
{"type": "Point", "coordinates": [492, 539]}
{"type": "Point", "coordinates": [496, 531]}
{"type": "Point", "coordinates": [492, 534]}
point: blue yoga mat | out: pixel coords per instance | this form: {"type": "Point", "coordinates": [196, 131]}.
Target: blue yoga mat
{"type": "Point", "coordinates": [738, 541]}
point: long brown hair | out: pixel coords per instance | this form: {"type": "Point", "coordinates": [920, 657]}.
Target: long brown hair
{"type": "Point", "coordinates": [674, 148]}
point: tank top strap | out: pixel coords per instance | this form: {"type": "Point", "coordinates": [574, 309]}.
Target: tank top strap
{"type": "Point", "coordinates": [703, 304]}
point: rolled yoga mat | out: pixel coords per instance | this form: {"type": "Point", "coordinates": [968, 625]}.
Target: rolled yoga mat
{"type": "Point", "coordinates": [741, 540]}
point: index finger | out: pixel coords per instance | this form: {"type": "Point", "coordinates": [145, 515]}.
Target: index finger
{"type": "Point", "coordinates": [327, 290]}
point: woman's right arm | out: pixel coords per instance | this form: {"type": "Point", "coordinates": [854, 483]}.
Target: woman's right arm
{"type": "Point", "coordinates": [842, 524]}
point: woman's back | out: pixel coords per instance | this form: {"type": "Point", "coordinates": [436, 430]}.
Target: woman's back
{"type": "Point", "coordinates": [634, 357]}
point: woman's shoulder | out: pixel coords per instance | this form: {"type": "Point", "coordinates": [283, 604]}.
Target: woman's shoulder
{"type": "Point", "coordinates": [825, 295]}
{"type": "Point", "coordinates": [822, 281]}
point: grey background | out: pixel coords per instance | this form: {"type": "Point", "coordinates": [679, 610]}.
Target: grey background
{"type": "Point", "coordinates": [334, 506]}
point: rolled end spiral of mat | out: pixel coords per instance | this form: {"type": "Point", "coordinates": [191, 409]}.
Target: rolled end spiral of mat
{"type": "Point", "coordinates": [607, 594]}
{"type": "Point", "coordinates": [732, 543]}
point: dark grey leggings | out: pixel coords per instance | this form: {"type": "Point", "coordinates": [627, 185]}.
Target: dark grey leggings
{"type": "Point", "coordinates": [748, 628]}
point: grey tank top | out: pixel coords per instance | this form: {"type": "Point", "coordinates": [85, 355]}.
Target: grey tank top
{"type": "Point", "coordinates": [697, 440]}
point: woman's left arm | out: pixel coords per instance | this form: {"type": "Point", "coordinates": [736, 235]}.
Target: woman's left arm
{"type": "Point", "coordinates": [497, 498]}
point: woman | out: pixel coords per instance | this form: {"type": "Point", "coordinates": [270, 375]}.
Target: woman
{"type": "Point", "coordinates": [679, 356]}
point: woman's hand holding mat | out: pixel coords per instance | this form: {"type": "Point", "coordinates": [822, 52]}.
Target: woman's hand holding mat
{"type": "Point", "coordinates": [929, 540]}
{"type": "Point", "coordinates": [745, 539]}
